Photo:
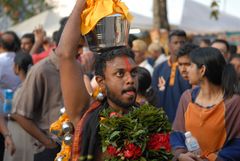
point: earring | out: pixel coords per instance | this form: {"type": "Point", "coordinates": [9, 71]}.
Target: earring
{"type": "Point", "coordinates": [100, 96]}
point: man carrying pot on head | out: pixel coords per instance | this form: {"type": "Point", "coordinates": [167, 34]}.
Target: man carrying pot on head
{"type": "Point", "coordinates": [116, 74]}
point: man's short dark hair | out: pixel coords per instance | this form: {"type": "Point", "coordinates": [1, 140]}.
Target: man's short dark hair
{"type": "Point", "coordinates": [206, 41]}
{"type": "Point", "coordinates": [233, 49]}
{"type": "Point", "coordinates": [223, 42]}
{"type": "Point", "coordinates": [29, 36]}
{"type": "Point", "coordinates": [131, 38]}
{"type": "Point", "coordinates": [110, 54]}
{"type": "Point", "coordinates": [186, 49]}
{"type": "Point", "coordinates": [13, 45]}
{"type": "Point", "coordinates": [57, 34]}
{"type": "Point", "coordinates": [180, 33]}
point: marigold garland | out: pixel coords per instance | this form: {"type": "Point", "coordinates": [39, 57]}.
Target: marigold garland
{"type": "Point", "coordinates": [56, 129]}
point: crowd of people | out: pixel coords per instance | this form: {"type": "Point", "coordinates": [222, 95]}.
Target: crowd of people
{"type": "Point", "coordinates": [197, 85]}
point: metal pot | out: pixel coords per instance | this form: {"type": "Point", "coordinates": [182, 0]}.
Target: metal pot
{"type": "Point", "coordinates": [110, 31]}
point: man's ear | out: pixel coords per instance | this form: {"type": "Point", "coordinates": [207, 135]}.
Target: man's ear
{"type": "Point", "coordinates": [101, 81]}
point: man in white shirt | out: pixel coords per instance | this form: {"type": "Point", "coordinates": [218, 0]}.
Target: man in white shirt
{"type": "Point", "coordinates": [8, 46]}
{"type": "Point", "coordinates": [139, 47]}
{"type": "Point", "coordinates": [156, 55]}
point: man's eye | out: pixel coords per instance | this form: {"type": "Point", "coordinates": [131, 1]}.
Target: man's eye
{"type": "Point", "coordinates": [119, 74]}
{"type": "Point", "coordinates": [134, 73]}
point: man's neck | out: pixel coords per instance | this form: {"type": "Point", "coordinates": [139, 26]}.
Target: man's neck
{"type": "Point", "coordinates": [22, 76]}
{"type": "Point", "coordinates": [173, 59]}
{"type": "Point", "coordinates": [2, 50]}
{"type": "Point", "coordinates": [116, 107]}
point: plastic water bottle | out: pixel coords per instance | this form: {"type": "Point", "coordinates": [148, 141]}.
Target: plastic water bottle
{"type": "Point", "coordinates": [192, 144]}
{"type": "Point", "coordinates": [7, 105]}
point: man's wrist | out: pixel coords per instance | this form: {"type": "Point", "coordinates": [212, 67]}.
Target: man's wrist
{"type": "Point", "coordinates": [7, 135]}
{"type": "Point", "coordinates": [178, 156]}
{"type": "Point", "coordinates": [50, 143]}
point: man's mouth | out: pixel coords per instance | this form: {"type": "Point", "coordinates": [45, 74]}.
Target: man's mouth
{"type": "Point", "coordinates": [130, 91]}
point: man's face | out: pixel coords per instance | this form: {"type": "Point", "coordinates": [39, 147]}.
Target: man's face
{"type": "Point", "coordinates": [138, 56]}
{"type": "Point", "coordinates": [236, 63]}
{"type": "Point", "coordinates": [121, 81]}
{"type": "Point", "coordinates": [155, 54]}
{"type": "Point", "coordinates": [183, 63]}
{"type": "Point", "coordinates": [222, 47]}
{"type": "Point", "coordinates": [26, 44]}
{"type": "Point", "coordinates": [175, 43]}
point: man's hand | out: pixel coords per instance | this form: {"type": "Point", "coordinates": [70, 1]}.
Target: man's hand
{"type": "Point", "coordinates": [39, 34]}
{"type": "Point", "coordinates": [200, 159]}
{"type": "Point", "coordinates": [161, 83]}
{"type": "Point", "coordinates": [188, 157]}
{"type": "Point", "coordinates": [9, 144]}
{"type": "Point", "coordinates": [50, 144]}
{"type": "Point", "coordinates": [1, 97]}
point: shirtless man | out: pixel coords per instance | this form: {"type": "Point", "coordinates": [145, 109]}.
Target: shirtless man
{"type": "Point", "coordinates": [116, 74]}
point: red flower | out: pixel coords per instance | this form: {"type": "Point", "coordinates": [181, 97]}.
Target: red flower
{"type": "Point", "coordinates": [112, 150]}
{"type": "Point", "coordinates": [158, 141]}
{"type": "Point", "coordinates": [132, 151]}
{"type": "Point", "coordinates": [115, 114]}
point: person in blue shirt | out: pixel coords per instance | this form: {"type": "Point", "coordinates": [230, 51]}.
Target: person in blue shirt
{"type": "Point", "coordinates": [167, 78]}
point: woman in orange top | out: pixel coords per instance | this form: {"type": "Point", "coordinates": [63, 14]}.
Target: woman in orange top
{"type": "Point", "coordinates": [210, 111]}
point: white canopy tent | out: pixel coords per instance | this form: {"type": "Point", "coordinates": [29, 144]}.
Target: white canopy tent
{"type": "Point", "coordinates": [48, 19]}
{"type": "Point", "coordinates": [196, 18]}
{"type": "Point", "coordinates": [50, 22]}
{"type": "Point", "coordinates": [193, 17]}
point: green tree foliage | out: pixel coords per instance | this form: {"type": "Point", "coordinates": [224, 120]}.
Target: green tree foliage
{"type": "Point", "coordinates": [19, 10]}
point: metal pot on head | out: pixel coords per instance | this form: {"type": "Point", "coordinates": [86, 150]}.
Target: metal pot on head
{"type": "Point", "coordinates": [110, 31]}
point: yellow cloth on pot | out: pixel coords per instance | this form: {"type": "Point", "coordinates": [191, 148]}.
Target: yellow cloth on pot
{"type": "Point", "coordinates": [97, 9]}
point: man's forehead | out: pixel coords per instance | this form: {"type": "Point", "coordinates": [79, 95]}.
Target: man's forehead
{"type": "Point", "coordinates": [235, 60]}
{"type": "Point", "coordinates": [122, 62]}
{"type": "Point", "coordinates": [25, 39]}
{"type": "Point", "coordinates": [7, 37]}
{"type": "Point", "coordinates": [175, 38]}
{"type": "Point", "coordinates": [219, 45]}
{"type": "Point", "coordinates": [184, 57]}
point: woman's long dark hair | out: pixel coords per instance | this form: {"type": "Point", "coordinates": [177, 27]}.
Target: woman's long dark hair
{"type": "Point", "coordinates": [217, 72]}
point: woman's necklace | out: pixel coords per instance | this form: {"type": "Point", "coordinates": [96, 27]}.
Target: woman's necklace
{"type": "Point", "coordinates": [209, 103]}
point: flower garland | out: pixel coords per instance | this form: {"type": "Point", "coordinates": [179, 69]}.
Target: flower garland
{"type": "Point", "coordinates": [142, 134]}
{"type": "Point", "coordinates": [62, 129]}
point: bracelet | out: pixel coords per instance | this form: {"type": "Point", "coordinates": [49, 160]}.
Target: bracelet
{"type": "Point", "coordinates": [7, 135]}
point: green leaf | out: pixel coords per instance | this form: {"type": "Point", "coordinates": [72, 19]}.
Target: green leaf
{"type": "Point", "coordinates": [104, 148]}
{"type": "Point", "coordinates": [142, 159]}
{"type": "Point", "coordinates": [114, 135]}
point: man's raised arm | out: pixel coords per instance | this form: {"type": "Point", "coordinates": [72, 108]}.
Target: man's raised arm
{"type": "Point", "coordinates": [75, 95]}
